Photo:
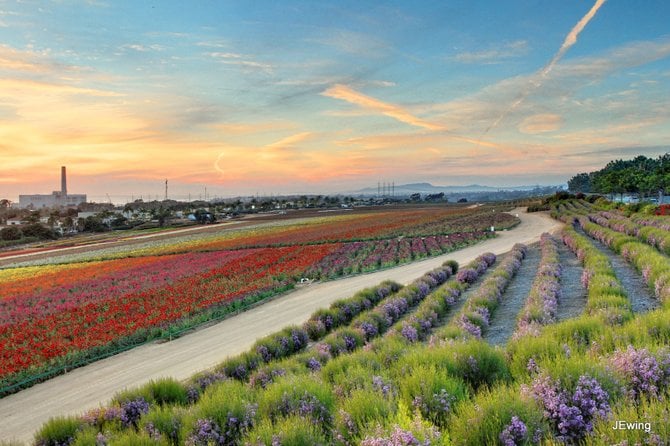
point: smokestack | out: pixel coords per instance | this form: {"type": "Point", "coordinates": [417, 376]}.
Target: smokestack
{"type": "Point", "coordinates": [63, 181]}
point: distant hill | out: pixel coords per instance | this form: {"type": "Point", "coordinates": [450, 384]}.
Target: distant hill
{"type": "Point", "coordinates": [427, 188]}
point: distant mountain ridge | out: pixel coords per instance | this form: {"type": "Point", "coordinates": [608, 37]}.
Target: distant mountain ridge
{"type": "Point", "coordinates": [427, 188]}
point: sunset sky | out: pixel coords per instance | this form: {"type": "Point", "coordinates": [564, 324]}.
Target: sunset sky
{"type": "Point", "coordinates": [272, 97]}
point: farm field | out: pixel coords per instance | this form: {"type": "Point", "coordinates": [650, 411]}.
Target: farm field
{"type": "Point", "coordinates": [26, 410]}
{"type": "Point", "coordinates": [59, 312]}
{"type": "Point", "coordinates": [494, 349]}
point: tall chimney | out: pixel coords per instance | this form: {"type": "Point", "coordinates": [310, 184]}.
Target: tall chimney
{"type": "Point", "coordinates": [63, 181]}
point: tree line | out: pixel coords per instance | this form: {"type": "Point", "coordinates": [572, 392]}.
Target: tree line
{"type": "Point", "coordinates": [640, 175]}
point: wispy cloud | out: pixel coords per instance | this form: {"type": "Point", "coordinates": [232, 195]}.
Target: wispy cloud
{"type": "Point", "coordinates": [536, 81]}
{"type": "Point", "coordinates": [399, 113]}
{"type": "Point", "coordinates": [495, 55]}
{"type": "Point", "coordinates": [142, 48]}
{"type": "Point", "coordinates": [351, 42]}
{"type": "Point", "coordinates": [347, 94]}
{"type": "Point", "coordinates": [244, 61]}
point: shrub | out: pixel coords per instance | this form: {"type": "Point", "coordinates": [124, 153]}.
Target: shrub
{"type": "Point", "coordinates": [305, 397]}
{"type": "Point", "coordinates": [223, 414]}
{"type": "Point", "coordinates": [432, 392]}
{"type": "Point", "coordinates": [11, 233]}
{"type": "Point", "coordinates": [58, 431]}
{"type": "Point", "coordinates": [131, 438]}
{"type": "Point", "coordinates": [38, 230]}
{"type": "Point", "coordinates": [493, 416]}
{"type": "Point", "coordinates": [571, 413]}
{"type": "Point", "coordinates": [241, 366]}
{"type": "Point", "coordinates": [649, 417]}
{"type": "Point", "coordinates": [290, 431]}
{"type": "Point", "coordinates": [165, 391]}
{"type": "Point", "coordinates": [88, 436]}
{"type": "Point", "coordinates": [163, 423]}
{"type": "Point", "coordinates": [478, 363]}
{"type": "Point", "coordinates": [361, 409]}
{"type": "Point", "coordinates": [642, 372]}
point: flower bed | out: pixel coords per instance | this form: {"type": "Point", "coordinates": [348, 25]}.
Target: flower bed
{"type": "Point", "coordinates": [542, 302]}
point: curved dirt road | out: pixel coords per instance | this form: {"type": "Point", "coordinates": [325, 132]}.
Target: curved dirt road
{"type": "Point", "coordinates": [23, 413]}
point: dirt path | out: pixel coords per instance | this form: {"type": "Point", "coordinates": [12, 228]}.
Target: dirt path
{"type": "Point", "coordinates": [572, 300]}
{"type": "Point", "coordinates": [503, 321]}
{"type": "Point", "coordinates": [23, 413]}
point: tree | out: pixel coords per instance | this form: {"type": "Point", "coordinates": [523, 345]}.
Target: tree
{"type": "Point", "coordinates": [161, 214]}
{"type": "Point", "coordinates": [11, 233]}
{"type": "Point", "coordinates": [580, 183]}
{"type": "Point", "coordinates": [5, 203]}
{"type": "Point", "coordinates": [39, 231]}
{"type": "Point", "coordinates": [68, 222]}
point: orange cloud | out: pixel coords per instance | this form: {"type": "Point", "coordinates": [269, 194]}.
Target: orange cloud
{"type": "Point", "coordinates": [344, 93]}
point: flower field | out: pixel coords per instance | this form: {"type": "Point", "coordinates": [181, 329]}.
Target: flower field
{"type": "Point", "coordinates": [55, 316]}
{"type": "Point", "coordinates": [411, 365]}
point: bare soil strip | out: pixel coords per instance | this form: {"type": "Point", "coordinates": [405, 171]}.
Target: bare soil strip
{"type": "Point", "coordinates": [572, 300]}
{"type": "Point", "coordinates": [21, 414]}
{"type": "Point", "coordinates": [641, 298]}
{"type": "Point", "coordinates": [503, 321]}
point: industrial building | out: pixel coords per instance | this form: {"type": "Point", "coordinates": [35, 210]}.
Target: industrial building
{"type": "Point", "coordinates": [57, 198]}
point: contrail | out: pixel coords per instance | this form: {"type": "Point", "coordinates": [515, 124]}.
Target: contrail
{"type": "Point", "coordinates": [536, 82]}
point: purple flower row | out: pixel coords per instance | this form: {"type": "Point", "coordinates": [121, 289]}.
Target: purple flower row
{"type": "Point", "coordinates": [475, 316]}
{"type": "Point", "coordinates": [373, 323]}
{"type": "Point", "coordinates": [542, 303]}
{"type": "Point", "coordinates": [371, 255]}
{"type": "Point", "coordinates": [426, 317]}
{"type": "Point", "coordinates": [653, 266]}
{"type": "Point", "coordinates": [648, 220]}
{"type": "Point", "coordinates": [597, 265]}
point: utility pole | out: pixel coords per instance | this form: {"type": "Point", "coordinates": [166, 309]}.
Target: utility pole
{"type": "Point", "coordinates": [166, 189]}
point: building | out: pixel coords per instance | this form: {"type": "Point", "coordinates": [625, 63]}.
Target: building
{"type": "Point", "coordinates": [57, 198]}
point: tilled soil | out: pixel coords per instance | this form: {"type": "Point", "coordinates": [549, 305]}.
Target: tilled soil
{"type": "Point", "coordinates": [503, 322]}
{"type": "Point", "coordinates": [572, 300]}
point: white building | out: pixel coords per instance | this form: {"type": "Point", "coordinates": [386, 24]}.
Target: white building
{"type": "Point", "coordinates": [57, 198]}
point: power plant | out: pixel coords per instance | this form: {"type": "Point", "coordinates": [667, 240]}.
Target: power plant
{"type": "Point", "coordinates": [58, 198]}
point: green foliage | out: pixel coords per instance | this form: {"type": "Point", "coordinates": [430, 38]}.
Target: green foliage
{"type": "Point", "coordinates": [478, 363]}
{"type": "Point", "coordinates": [639, 175]}
{"type": "Point", "coordinates": [132, 438]}
{"type": "Point", "coordinates": [353, 376]}
{"type": "Point", "coordinates": [432, 392]}
{"type": "Point", "coordinates": [653, 423]}
{"type": "Point", "coordinates": [219, 403]}
{"type": "Point", "coordinates": [290, 431]}
{"type": "Point", "coordinates": [165, 391]}
{"type": "Point", "coordinates": [86, 437]}
{"type": "Point", "coordinates": [11, 233]}
{"type": "Point", "coordinates": [291, 396]}
{"type": "Point", "coordinates": [361, 409]}
{"type": "Point", "coordinates": [481, 420]}
{"type": "Point", "coordinates": [39, 231]}
{"type": "Point", "coordinates": [58, 431]}
{"type": "Point", "coordinates": [166, 420]}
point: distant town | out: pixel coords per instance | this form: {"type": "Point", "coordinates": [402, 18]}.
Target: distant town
{"type": "Point", "coordinates": [49, 216]}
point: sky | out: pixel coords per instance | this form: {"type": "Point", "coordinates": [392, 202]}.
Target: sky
{"type": "Point", "coordinates": [233, 98]}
